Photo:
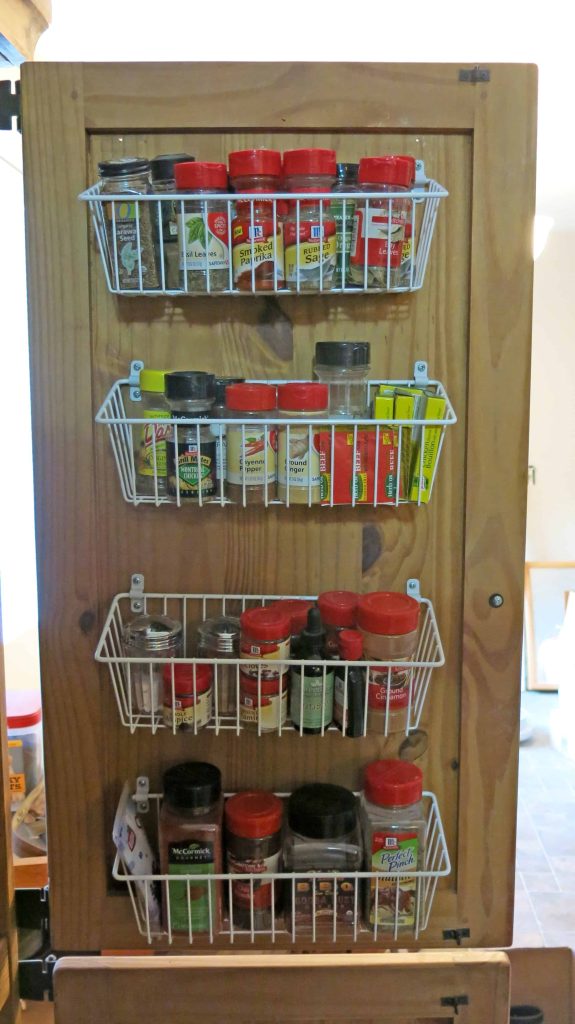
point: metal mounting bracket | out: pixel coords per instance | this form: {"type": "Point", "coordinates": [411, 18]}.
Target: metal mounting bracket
{"type": "Point", "coordinates": [412, 588]}
{"type": "Point", "coordinates": [474, 75]}
{"type": "Point", "coordinates": [455, 1002]}
{"type": "Point", "coordinates": [137, 592]}
{"type": "Point", "coordinates": [134, 378]}
{"type": "Point", "coordinates": [420, 375]}
{"type": "Point", "coordinates": [456, 934]}
{"type": "Point", "coordinates": [141, 796]}
{"type": "Point", "coordinates": [9, 106]}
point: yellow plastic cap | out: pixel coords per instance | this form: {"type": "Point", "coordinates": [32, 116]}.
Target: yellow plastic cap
{"type": "Point", "coordinates": [152, 380]}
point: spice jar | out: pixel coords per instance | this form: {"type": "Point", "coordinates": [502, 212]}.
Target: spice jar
{"type": "Point", "coordinates": [219, 412]}
{"type": "Point", "coordinates": [310, 229]}
{"type": "Point", "coordinates": [191, 449]}
{"type": "Point", "coordinates": [133, 265]}
{"type": "Point", "coordinates": [394, 828]}
{"type": "Point", "coordinates": [190, 841]}
{"type": "Point", "coordinates": [203, 228]}
{"type": "Point", "coordinates": [349, 685]}
{"type": "Point", "coordinates": [253, 842]}
{"type": "Point", "coordinates": [311, 684]}
{"type": "Point", "coordinates": [263, 688]}
{"type": "Point", "coordinates": [379, 227]}
{"type": "Point", "coordinates": [344, 366]}
{"type": "Point", "coordinates": [150, 450]}
{"type": "Point", "coordinates": [338, 611]}
{"type": "Point", "coordinates": [257, 237]}
{"type": "Point", "coordinates": [299, 479]}
{"type": "Point", "coordinates": [322, 835]}
{"type": "Point", "coordinates": [263, 702]}
{"type": "Point", "coordinates": [147, 637]}
{"type": "Point", "coordinates": [297, 609]}
{"type": "Point", "coordinates": [220, 638]}
{"type": "Point", "coordinates": [163, 183]}
{"type": "Point", "coordinates": [389, 624]}
{"type": "Point", "coordinates": [188, 692]}
{"type": "Point", "coordinates": [342, 211]}
{"type": "Point", "coordinates": [251, 448]}
{"type": "Point", "coordinates": [404, 277]}
{"type": "Point", "coordinates": [24, 720]}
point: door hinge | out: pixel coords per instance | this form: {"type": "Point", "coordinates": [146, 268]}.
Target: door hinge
{"type": "Point", "coordinates": [33, 911]}
{"type": "Point", "coordinates": [35, 978]}
{"type": "Point", "coordinates": [474, 75]}
{"type": "Point", "coordinates": [454, 1002]}
{"type": "Point", "coordinates": [10, 106]}
{"type": "Point", "coordinates": [456, 934]}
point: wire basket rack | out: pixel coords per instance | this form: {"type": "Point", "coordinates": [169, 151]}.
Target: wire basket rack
{"type": "Point", "coordinates": [140, 685]}
{"type": "Point", "coordinates": [146, 247]}
{"type": "Point", "coordinates": [357, 462]}
{"type": "Point", "coordinates": [401, 901]}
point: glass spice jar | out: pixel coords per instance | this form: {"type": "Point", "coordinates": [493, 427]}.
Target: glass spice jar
{"type": "Point", "coordinates": [220, 638]}
{"type": "Point", "coordinates": [251, 449]}
{"type": "Point", "coordinates": [191, 449]}
{"type": "Point", "coordinates": [147, 637]}
{"type": "Point", "coordinates": [257, 235]}
{"type": "Point", "coordinates": [389, 624]}
{"type": "Point", "coordinates": [310, 229]}
{"type": "Point", "coordinates": [188, 696]}
{"type": "Point", "coordinates": [263, 687]}
{"type": "Point", "coordinates": [338, 611]}
{"type": "Point", "coordinates": [263, 703]}
{"type": "Point", "coordinates": [342, 211]}
{"type": "Point", "coordinates": [163, 183]}
{"type": "Point", "coordinates": [299, 478]}
{"type": "Point", "coordinates": [130, 228]}
{"type": "Point", "coordinates": [150, 450]}
{"type": "Point", "coordinates": [219, 412]}
{"type": "Point", "coordinates": [404, 276]}
{"type": "Point", "coordinates": [297, 609]}
{"type": "Point", "coordinates": [344, 366]}
{"type": "Point", "coordinates": [203, 228]}
{"type": "Point", "coordinates": [253, 832]}
{"type": "Point", "coordinates": [379, 227]}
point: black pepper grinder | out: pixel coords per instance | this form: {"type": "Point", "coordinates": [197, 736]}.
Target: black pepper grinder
{"type": "Point", "coordinates": [312, 684]}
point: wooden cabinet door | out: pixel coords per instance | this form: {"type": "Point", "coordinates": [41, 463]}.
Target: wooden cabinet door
{"type": "Point", "coordinates": [372, 989]}
{"type": "Point", "coordinates": [8, 936]}
{"type": "Point", "coordinates": [471, 322]}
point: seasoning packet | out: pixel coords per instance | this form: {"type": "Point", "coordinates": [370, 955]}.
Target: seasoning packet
{"type": "Point", "coordinates": [134, 848]}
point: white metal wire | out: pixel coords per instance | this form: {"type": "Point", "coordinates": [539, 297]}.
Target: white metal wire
{"type": "Point", "coordinates": [419, 207]}
{"type": "Point", "coordinates": [283, 924]}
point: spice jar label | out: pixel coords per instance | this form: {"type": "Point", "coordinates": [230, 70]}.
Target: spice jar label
{"type": "Point", "coordinates": [399, 688]}
{"type": "Point", "coordinates": [262, 891]}
{"type": "Point", "coordinates": [191, 859]}
{"type": "Point", "coordinates": [206, 240]}
{"type": "Point", "coordinates": [380, 230]}
{"type": "Point", "coordinates": [317, 246]}
{"type": "Point", "coordinates": [185, 712]}
{"type": "Point", "coordinates": [315, 708]}
{"type": "Point", "coordinates": [393, 899]}
{"type": "Point", "coordinates": [123, 227]}
{"type": "Point", "coordinates": [248, 459]}
{"type": "Point", "coordinates": [307, 908]}
{"type": "Point", "coordinates": [188, 464]}
{"type": "Point", "coordinates": [303, 463]}
{"type": "Point", "coordinates": [270, 713]}
{"type": "Point", "coordinates": [267, 651]}
{"type": "Point", "coordinates": [146, 450]}
{"type": "Point", "coordinates": [254, 246]}
{"type": "Point", "coordinates": [17, 774]}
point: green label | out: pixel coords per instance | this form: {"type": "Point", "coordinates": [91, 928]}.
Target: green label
{"type": "Point", "coordinates": [192, 859]}
{"type": "Point", "coordinates": [313, 700]}
{"type": "Point", "coordinates": [393, 898]}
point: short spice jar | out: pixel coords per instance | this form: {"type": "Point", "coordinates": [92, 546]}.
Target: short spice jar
{"type": "Point", "coordinates": [389, 623]}
{"type": "Point", "coordinates": [191, 449]}
{"type": "Point", "coordinates": [265, 635]}
{"type": "Point", "coordinates": [344, 367]}
{"type": "Point", "coordinates": [299, 478]}
{"type": "Point", "coordinates": [310, 233]}
{"type": "Point", "coordinates": [394, 826]}
{"type": "Point", "coordinates": [188, 696]}
{"type": "Point", "coordinates": [338, 611]}
{"type": "Point", "coordinates": [203, 227]}
{"type": "Point", "coordinates": [133, 266]}
{"type": "Point", "coordinates": [251, 448]}
{"type": "Point", "coordinates": [257, 236]}
{"type": "Point", "coordinates": [253, 832]}
{"type": "Point", "coordinates": [147, 637]}
{"type": "Point", "coordinates": [379, 227]}
{"type": "Point", "coordinates": [164, 183]}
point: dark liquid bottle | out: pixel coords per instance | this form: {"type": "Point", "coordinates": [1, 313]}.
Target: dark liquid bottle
{"type": "Point", "coordinates": [350, 684]}
{"type": "Point", "coordinates": [312, 684]}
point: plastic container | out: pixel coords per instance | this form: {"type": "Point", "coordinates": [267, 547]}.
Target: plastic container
{"type": "Point", "coordinates": [322, 835]}
{"type": "Point", "coordinates": [379, 227]}
{"type": "Point", "coordinates": [311, 698]}
{"type": "Point", "coordinates": [190, 841]}
{"type": "Point", "coordinates": [389, 623]}
{"type": "Point", "coordinates": [253, 843]}
{"type": "Point", "coordinates": [266, 636]}
{"type": "Point", "coordinates": [220, 638]}
{"type": "Point", "coordinates": [219, 412]}
{"type": "Point", "coordinates": [299, 479]}
{"type": "Point", "coordinates": [404, 278]}
{"type": "Point", "coordinates": [394, 826]}
{"type": "Point", "coordinates": [163, 183]}
{"type": "Point", "coordinates": [263, 703]}
{"type": "Point", "coordinates": [150, 451]}
{"type": "Point", "coordinates": [147, 637]}
{"type": "Point", "coordinates": [342, 211]}
{"type": "Point", "coordinates": [257, 236]}
{"type": "Point", "coordinates": [297, 609]}
{"type": "Point", "coordinates": [203, 228]}
{"type": "Point", "coordinates": [344, 366]}
{"type": "Point", "coordinates": [338, 611]}
{"type": "Point", "coordinates": [310, 232]}
{"type": "Point", "coordinates": [188, 700]}
{"type": "Point", "coordinates": [349, 686]}
{"type": "Point", "coordinates": [129, 226]}
{"type": "Point", "coordinates": [251, 450]}
{"type": "Point", "coordinates": [191, 455]}
{"type": "Point", "coordinates": [24, 719]}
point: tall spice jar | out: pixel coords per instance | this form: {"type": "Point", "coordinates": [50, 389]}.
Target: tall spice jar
{"type": "Point", "coordinates": [265, 637]}
{"type": "Point", "coordinates": [163, 184]}
{"type": "Point", "coordinates": [219, 430]}
{"type": "Point", "coordinates": [343, 213]}
{"type": "Point", "coordinates": [203, 227]}
{"type": "Point", "coordinates": [299, 478]}
{"type": "Point", "coordinates": [220, 638]}
{"type": "Point", "coordinates": [130, 228]}
{"type": "Point", "coordinates": [149, 637]}
{"type": "Point", "coordinates": [257, 235]}
{"type": "Point", "coordinates": [311, 697]}
{"type": "Point", "coordinates": [379, 227]}
{"type": "Point", "coordinates": [150, 450]}
{"type": "Point", "coordinates": [191, 448]}
{"type": "Point", "coordinates": [389, 624]}
{"type": "Point", "coordinates": [253, 822]}
{"type": "Point", "coordinates": [338, 611]}
{"type": "Point", "coordinates": [310, 232]}
{"type": "Point", "coordinates": [251, 448]}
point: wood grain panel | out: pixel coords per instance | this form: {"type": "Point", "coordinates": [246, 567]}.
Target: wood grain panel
{"type": "Point", "coordinates": [22, 22]}
{"type": "Point", "coordinates": [544, 978]}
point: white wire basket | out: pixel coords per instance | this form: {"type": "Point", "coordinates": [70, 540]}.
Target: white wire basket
{"type": "Point", "coordinates": [404, 220]}
{"type": "Point", "coordinates": [331, 925]}
{"type": "Point", "coordinates": [355, 462]}
{"type": "Point", "coordinates": [139, 684]}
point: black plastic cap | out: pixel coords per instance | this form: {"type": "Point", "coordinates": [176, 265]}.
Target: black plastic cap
{"type": "Point", "coordinates": [162, 167]}
{"type": "Point", "coordinates": [193, 784]}
{"type": "Point", "coordinates": [346, 354]}
{"type": "Point", "coordinates": [191, 384]}
{"type": "Point", "coordinates": [123, 167]}
{"type": "Point", "coordinates": [322, 811]}
{"type": "Point", "coordinates": [526, 1015]}
{"type": "Point", "coordinates": [347, 172]}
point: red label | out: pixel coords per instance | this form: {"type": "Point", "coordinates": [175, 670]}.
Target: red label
{"type": "Point", "coordinates": [218, 225]}
{"type": "Point", "coordinates": [379, 231]}
{"type": "Point", "coordinates": [399, 688]}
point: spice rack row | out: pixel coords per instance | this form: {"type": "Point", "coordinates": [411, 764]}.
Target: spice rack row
{"type": "Point", "coordinates": [392, 889]}
{"type": "Point", "coordinates": [404, 221]}
{"type": "Point", "coordinates": [356, 462]}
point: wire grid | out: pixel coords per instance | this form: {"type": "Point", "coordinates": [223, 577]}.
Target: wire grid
{"type": "Point", "coordinates": [400, 209]}
{"type": "Point", "coordinates": [138, 683]}
{"type": "Point", "coordinates": [436, 865]}
{"type": "Point", "coordinates": [382, 443]}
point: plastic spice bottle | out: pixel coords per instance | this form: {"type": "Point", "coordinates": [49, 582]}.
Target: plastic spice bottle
{"type": "Point", "coordinates": [389, 624]}
{"type": "Point", "coordinates": [394, 826]}
{"type": "Point", "coordinates": [257, 237]}
{"type": "Point", "coordinates": [299, 479]}
{"type": "Point", "coordinates": [125, 220]}
{"type": "Point", "coordinates": [349, 685]}
{"type": "Point", "coordinates": [150, 453]}
{"type": "Point", "coordinates": [191, 455]}
{"type": "Point", "coordinates": [344, 366]}
{"type": "Point", "coordinates": [220, 638]}
{"type": "Point", "coordinates": [251, 449]}
{"type": "Point", "coordinates": [322, 835]}
{"type": "Point", "coordinates": [24, 719]}
{"type": "Point", "coordinates": [188, 696]}
{"type": "Point", "coordinates": [147, 637]}
{"type": "Point", "coordinates": [203, 228]}
{"type": "Point", "coordinates": [310, 228]}
{"type": "Point", "coordinates": [404, 276]}
{"type": "Point", "coordinates": [219, 412]}
{"type": "Point", "coordinates": [379, 227]}
{"type": "Point", "coordinates": [190, 841]}
{"type": "Point", "coordinates": [338, 611]}
{"type": "Point", "coordinates": [253, 842]}
{"type": "Point", "coordinates": [346, 182]}
{"type": "Point", "coordinates": [163, 183]}
{"type": "Point", "coordinates": [311, 699]}
{"type": "Point", "coordinates": [297, 609]}
{"type": "Point", "coordinates": [265, 635]}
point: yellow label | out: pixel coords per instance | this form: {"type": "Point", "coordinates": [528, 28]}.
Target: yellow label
{"type": "Point", "coordinates": [249, 458]}
{"type": "Point", "coordinates": [272, 710]}
{"type": "Point", "coordinates": [310, 254]}
{"type": "Point", "coordinates": [186, 712]}
{"type": "Point", "coordinates": [145, 453]}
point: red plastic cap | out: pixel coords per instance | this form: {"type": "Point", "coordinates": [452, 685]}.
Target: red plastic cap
{"type": "Point", "coordinates": [410, 160]}
{"type": "Point", "coordinates": [297, 611]}
{"type": "Point", "coordinates": [22, 709]}
{"type": "Point", "coordinates": [201, 175]}
{"type": "Point", "coordinates": [254, 814]}
{"type": "Point", "coordinates": [388, 613]}
{"type": "Point", "coordinates": [251, 397]}
{"type": "Point", "coordinates": [385, 170]}
{"type": "Point", "coordinates": [310, 161]}
{"type": "Point", "coordinates": [338, 607]}
{"type": "Point", "coordinates": [303, 397]}
{"type": "Point", "coordinates": [350, 644]}
{"type": "Point", "coordinates": [265, 623]}
{"type": "Point", "coordinates": [245, 162]}
{"type": "Point", "coordinates": [393, 783]}
{"type": "Point", "coordinates": [184, 678]}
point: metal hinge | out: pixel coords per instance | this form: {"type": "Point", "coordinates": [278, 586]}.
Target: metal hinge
{"type": "Point", "coordinates": [137, 592]}
{"type": "Point", "coordinates": [10, 106]}
{"type": "Point", "coordinates": [454, 1002]}
{"type": "Point", "coordinates": [142, 793]}
{"type": "Point", "coordinates": [420, 375]}
{"type": "Point", "coordinates": [412, 588]}
{"type": "Point", "coordinates": [35, 978]}
{"type": "Point", "coordinates": [134, 379]}
{"type": "Point", "coordinates": [33, 918]}
{"type": "Point", "coordinates": [474, 75]}
{"type": "Point", "coordinates": [456, 934]}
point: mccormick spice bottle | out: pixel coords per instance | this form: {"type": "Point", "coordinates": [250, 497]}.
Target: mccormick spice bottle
{"type": "Point", "coordinates": [297, 609]}
{"type": "Point", "coordinates": [338, 611]}
{"type": "Point", "coordinates": [191, 449]}
{"type": "Point", "coordinates": [257, 237]}
{"type": "Point", "coordinates": [188, 693]}
{"type": "Point", "coordinates": [310, 228]}
{"type": "Point", "coordinates": [389, 624]}
{"type": "Point", "coordinates": [299, 479]}
{"type": "Point", "coordinates": [394, 836]}
{"type": "Point", "coordinates": [265, 635]}
{"type": "Point", "coordinates": [253, 844]}
{"type": "Point", "coordinates": [190, 841]}
{"type": "Point", "coordinates": [251, 449]}
{"type": "Point", "coordinates": [203, 228]}
{"type": "Point", "coordinates": [311, 700]}
{"type": "Point", "coordinates": [163, 183]}
{"type": "Point", "coordinates": [133, 266]}
{"type": "Point", "coordinates": [379, 228]}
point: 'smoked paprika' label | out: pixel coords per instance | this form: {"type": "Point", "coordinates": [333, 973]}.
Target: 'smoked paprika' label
{"type": "Point", "coordinates": [257, 246]}
{"type": "Point", "coordinates": [266, 650]}
{"type": "Point", "coordinates": [205, 240]}
{"type": "Point", "coordinates": [393, 852]}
